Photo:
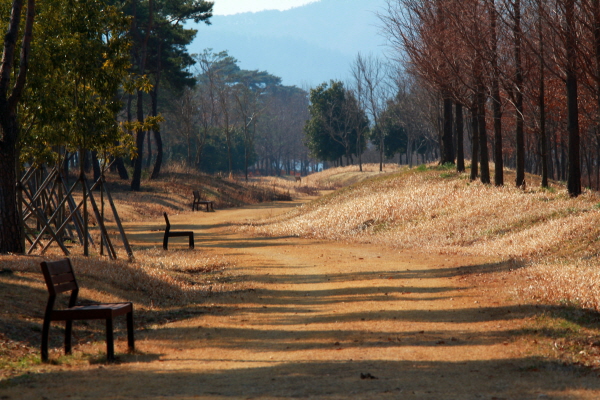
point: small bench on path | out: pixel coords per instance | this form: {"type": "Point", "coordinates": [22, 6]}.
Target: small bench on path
{"type": "Point", "coordinates": [60, 278]}
{"type": "Point", "coordinates": [199, 201]}
{"type": "Point", "coordinates": [169, 234]}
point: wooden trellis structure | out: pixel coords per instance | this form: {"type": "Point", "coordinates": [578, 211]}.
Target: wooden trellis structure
{"type": "Point", "coordinates": [51, 215]}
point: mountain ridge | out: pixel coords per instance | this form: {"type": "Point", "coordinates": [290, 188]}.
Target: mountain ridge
{"type": "Point", "coordinates": [305, 45]}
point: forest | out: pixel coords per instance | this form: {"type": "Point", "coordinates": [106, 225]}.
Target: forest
{"type": "Point", "coordinates": [106, 84]}
{"type": "Point", "coordinates": [522, 75]}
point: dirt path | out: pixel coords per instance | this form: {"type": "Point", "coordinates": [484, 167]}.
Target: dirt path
{"type": "Point", "coordinates": [331, 321]}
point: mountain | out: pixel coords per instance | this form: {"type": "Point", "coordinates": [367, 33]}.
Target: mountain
{"type": "Point", "coordinates": [305, 46]}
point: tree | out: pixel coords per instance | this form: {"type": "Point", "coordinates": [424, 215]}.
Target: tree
{"type": "Point", "coordinates": [332, 130]}
{"type": "Point", "coordinates": [371, 81]}
{"type": "Point", "coordinates": [11, 235]}
{"type": "Point", "coordinates": [159, 45]}
{"type": "Point", "coordinates": [251, 88]}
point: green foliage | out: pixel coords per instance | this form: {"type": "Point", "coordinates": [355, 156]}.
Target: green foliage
{"type": "Point", "coordinates": [215, 157]}
{"type": "Point", "coordinates": [336, 124]}
{"type": "Point", "coordinates": [390, 128]}
{"type": "Point", "coordinates": [422, 168]}
{"type": "Point", "coordinates": [80, 58]}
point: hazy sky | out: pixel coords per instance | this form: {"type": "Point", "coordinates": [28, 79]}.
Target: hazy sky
{"type": "Point", "coordinates": [228, 7]}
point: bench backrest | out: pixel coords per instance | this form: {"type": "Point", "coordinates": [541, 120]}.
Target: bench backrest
{"type": "Point", "coordinates": [59, 276]}
{"type": "Point", "coordinates": [196, 194]}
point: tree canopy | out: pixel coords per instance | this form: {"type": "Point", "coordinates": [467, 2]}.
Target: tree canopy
{"type": "Point", "coordinates": [335, 122]}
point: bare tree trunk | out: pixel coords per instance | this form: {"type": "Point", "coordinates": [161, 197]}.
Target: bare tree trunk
{"type": "Point", "coordinates": [447, 149]}
{"type": "Point", "coordinates": [475, 144]}
{"type": "Point", "coordinates": [460, 152]}
{"type": "Point", "coordinates": [519, 133]}
{"type": "Point", "coordinates": [496, 103]}
{"type": "Point", "coordinates": [483, 147]}
{"type": "Point", "coordinates": [542, 105]}
{"type": "Point", "coordinates": [574, 175]}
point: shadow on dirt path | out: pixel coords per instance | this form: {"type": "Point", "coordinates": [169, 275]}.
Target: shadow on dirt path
{"type": "Point", "coordinates": [329, 320]}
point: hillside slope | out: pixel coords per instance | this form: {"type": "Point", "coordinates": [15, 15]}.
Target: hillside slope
{"type": "Point", "coordinates": [440, 211]}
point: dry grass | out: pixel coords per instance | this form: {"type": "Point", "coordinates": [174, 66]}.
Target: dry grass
{"type": "Point", "coordinates": [442, 211]}
{"type": "Point", "coordinates": [173, 192]}
{"type": "Point", "coordinates": [162, 285]}
{"type": "Point", "coordinates": [155, 279]}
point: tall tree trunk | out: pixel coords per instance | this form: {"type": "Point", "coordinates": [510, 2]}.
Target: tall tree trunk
{"type": "Point", "coordinates": [496, 102]}
{"type": "Point", "coordinates": [475, 141]}
{"type": "Point", "coordinates": [381, 148]}
{"type": "Point", "coordinates": [10, 235]}
{"type": "Point", "coordinates": [154, 98]}
{"type": "Point", "coordinates": [157, 136]}
{"type": "Point", "coordinates": [120, 164]}
{"type": "Point", "coordinates": [11, 227]}
{"type": "Point", "coordinates": [460, 151]}
{"type": "Point", "coordinates": [596, 12]}
{"type": "Point", "coordinates": [483, 146]}
{"type": "Point", "coordinates": [95, 165]}
{"type": "Point", "coordinates": [542, 102]}
{"type": "Point", "coordinates": [139, 141]}
{"type": "Point", "coordinates": [138, 163]}
{"type": "Point", "coordinates": [447, 149]}
{"type": "Point", "coordinates": [574, 171]}
{"type": "Point", "coordinates": [149, 159]}
{"type": "Point", "coordinates": [129, 119]}
{"type": "Point", "coordinates": [519, 133]}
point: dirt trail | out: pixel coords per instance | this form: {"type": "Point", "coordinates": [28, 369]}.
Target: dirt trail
{"type": "Point", "coordinates": [329, 321]}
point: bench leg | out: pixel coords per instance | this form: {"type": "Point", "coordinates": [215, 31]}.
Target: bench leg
{"type": "Point", "coordinates": [68, 330]}
{"type": "Point", "coordinates": [192, 241]}
{"type": "Point", "coordinates": [130, 339]}
{"type": "Point", "coordinates": [45, 332]}
{"type": "Point", "coordinates": [110, 341]}
{"type": "Point", "coordinates": [166, 242]}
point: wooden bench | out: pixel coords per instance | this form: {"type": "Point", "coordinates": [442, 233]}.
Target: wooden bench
{"type": "Point", "coordinates": [169, 234]}
{"type": "Point", "coordinates": [198, 201]}
{"type": "Point", "coordinates": [60, 278]}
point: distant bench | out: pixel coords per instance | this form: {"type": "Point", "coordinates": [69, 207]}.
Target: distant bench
{"type": "Point", "coordinates": [198, 201]}
{"type": "Point", "coordinates": [169, 234]}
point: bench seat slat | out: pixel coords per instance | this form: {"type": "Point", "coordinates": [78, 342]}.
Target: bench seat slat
{"type": "Point", "coordinates": [180, 233]}
{"type": "Point", "coordinates": [100, 311]}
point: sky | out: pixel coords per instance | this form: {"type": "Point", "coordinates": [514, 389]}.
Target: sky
{"type": "Point", "coordinates": [304, 42]}
{"type": "Point", "coordinates": [230, 7]}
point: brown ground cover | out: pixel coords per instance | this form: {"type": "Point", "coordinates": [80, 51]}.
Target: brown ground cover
{"type": "Point", "coordinates": [275, 317]}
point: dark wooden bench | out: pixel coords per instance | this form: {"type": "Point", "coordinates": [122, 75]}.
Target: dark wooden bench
{"type": "Point", "coordinates": [169, 234]}
{"type": "Point", "coordinates": [60, 278]}
{"type": "Point", "coordinates": [198, 201]}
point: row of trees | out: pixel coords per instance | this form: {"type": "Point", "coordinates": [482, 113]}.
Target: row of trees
{"type": "Point", "coordinates": [527, 71]}
{"type": "Point", "coordinates": [379, 109]}
{"type": "Point", "coordinates": [234, 119]}
{"type": "Point", "coordinates": [82, 61]}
